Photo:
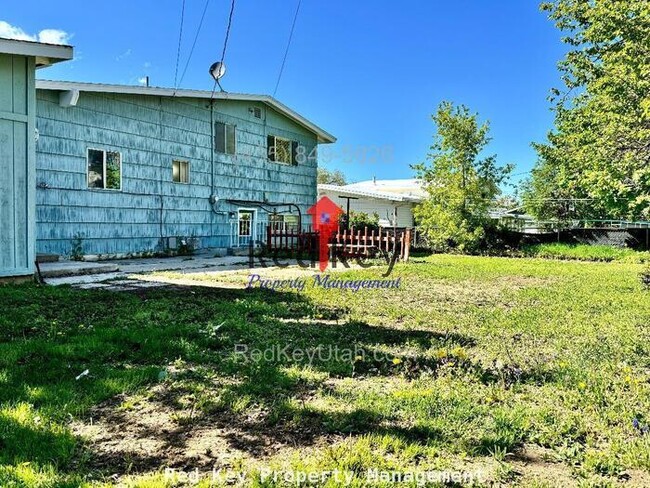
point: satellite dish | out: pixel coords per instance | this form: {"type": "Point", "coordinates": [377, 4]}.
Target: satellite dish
{"type": "Point", "coordinates": [217, 70]}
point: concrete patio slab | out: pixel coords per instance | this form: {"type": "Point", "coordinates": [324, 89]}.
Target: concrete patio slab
{"type": "Point", "coordinates": [75, 268]}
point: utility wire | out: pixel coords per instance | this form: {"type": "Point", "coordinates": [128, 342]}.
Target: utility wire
{"type": "Point", "coordinates": [180, 38]}
{"type": "Point", "coordinates": [286, 51]}
{"type": "Point", "coordinates": [225, 43]}
{"type": "Point", "coordinates": [196, 37]}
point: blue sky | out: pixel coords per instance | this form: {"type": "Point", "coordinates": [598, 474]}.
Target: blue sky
{"type": "Point", "coordinates": [370, 72]}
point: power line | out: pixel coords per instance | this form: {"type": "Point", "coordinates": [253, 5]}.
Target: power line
{"type": "Point", "coordinates": [286, 51]}
{"type": "Point", "coordinates": [196, 37]}
{"type": "Point", "coordinates": [225, 43]}
{"type": "Point", "coordinates": [180, 38]}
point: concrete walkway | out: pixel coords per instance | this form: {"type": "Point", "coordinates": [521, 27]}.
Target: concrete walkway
{"type": "Point", "coordinates": [114, 275]}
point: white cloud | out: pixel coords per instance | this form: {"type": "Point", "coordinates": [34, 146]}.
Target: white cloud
{"type": "Point", "coordinates": [125, 54]}
{"type": "Point", "coordinates": [49, 36]}
{"type": "Point", "coordinates": [54, 36]}
{"type": "Point", "coordinates": [8, 31]}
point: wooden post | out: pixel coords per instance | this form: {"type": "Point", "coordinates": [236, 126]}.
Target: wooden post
{"type": "Point", "coordinates": [379, 239]}
{"type": "Point", "coordinates": [407, 249]}
{"type": "Point", "coordinates": [338, 240]}
{"type": "Point", "coordinates": [269, 236]}
{"type": "Point", "coordinates": [357, 248]}
{"type": "Point", "coordinates": [365, 241]}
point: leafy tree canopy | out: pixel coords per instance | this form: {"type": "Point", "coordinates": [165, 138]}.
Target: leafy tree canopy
{"type": "Point", "coordinates": [596, 163]}
{"type": "Point", "coordinates": [326, 177]}
{"type": "Point", "coordinates": [461, 185]}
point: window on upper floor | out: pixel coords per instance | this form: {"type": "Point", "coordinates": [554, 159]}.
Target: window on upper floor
{"type": "Point", "coordinates": [180, 171]}
{"type": "Point", "coordinates": [282, 150]}
{"type": "Point", "coordinates": [225, 138]}
{"type": "Point", "coordinates": [104, 169]}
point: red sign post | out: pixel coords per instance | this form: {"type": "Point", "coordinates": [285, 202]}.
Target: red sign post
{"type": "Point", "coordinates": [325, 216]}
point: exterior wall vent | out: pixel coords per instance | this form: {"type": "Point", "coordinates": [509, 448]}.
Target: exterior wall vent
{"type": "Point", "coordinates": [257, 112]}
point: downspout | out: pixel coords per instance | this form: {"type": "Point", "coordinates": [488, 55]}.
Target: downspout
{"type": "Point", "coordinates": [212, 145]}
{"type": "Point", "coordinates": [212, 193]}
{"type": "Point", "coordinates": [162, 172]}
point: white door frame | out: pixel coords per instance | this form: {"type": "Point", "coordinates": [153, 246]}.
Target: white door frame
{"type": "Point", "coordinates": [253, 236]}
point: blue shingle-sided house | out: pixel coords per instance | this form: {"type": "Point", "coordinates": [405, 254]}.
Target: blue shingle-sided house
{"type": "Point", "coordinates": [129, 169]}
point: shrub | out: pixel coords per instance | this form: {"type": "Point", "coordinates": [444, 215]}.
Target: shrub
{"type": "Point", "coordinates": [359, 220]}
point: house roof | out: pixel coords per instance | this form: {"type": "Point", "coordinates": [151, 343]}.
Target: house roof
{"type": "Point", "coordinates": [322, 135]}
{"type": "Point", "coordinates": [45, 54]}
{"type": "Point", "coordinates": [404, 190]}
{"type": "Point", "coordinates": [351, 191]}
{"type": "Point", "coordinates": [409, 187]}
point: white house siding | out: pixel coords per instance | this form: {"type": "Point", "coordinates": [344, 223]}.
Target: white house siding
{"type": "Point", "coordinates": [384, 208]}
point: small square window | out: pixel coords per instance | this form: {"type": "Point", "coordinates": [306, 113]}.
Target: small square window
{"type": "Point", "coordinates": [282, 150]}
{"type": "Point", "coordinates": [180, 171]}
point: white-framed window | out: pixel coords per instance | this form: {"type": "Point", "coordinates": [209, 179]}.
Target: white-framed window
{"type": "Point", "coordinates": [225, 138]}
{"type": "Point", "coordinates": [104, 169]}
{"type": "Point", "coordinates": [180, 171]}
{"type": "Point", "coordinates": [282, 150]}
{"type": "Point", "coordinates": [283, 221]}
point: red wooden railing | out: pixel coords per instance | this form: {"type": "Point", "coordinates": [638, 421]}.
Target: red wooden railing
{"type": "Point", "coordinates": [344, 242]}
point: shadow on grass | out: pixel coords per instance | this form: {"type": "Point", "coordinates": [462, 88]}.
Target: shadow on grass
{"type": "Point", "coordinates": [50, 337]}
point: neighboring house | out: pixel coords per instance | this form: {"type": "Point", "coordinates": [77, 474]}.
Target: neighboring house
{"type": "Point", "coordinates": [129, 169]}
{"type": "Point", "coordinates": [18, 62]}
{"type": "Point", "coordinates": [392, 200]}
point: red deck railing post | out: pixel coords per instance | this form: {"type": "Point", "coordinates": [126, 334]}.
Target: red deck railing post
{"type": "Point", "coordinates": [365, 241]}
{"type": "Point", "coordinates": [407, 244]}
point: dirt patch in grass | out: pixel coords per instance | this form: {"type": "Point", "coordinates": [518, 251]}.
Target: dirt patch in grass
{"type": "Point", "coordinates": [137, 435]}
{"type": "Point", "coordinates": [469, 292]}
{"type": "Point", "coordinates": [535, 464]}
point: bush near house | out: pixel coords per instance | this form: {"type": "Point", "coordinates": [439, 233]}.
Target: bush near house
{"type": "Point", "coordinates": [359, 220]}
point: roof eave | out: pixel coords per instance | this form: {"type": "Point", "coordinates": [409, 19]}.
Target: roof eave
{"type": "Point", "coordinates": [321, 135]}
{"type": "Point", "coordinates": [368, 194]}
{"type": "Point", "coordinates": [45, 54]}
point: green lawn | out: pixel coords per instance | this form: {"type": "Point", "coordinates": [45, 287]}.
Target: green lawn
{"type": "Point", "coordinates": [584, 252]}
{"type": "Point", "coordinates": [527, 371]}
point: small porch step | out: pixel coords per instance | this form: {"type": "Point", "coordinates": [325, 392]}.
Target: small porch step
{"type": "Point", "coordinates": [47, 258]}
{"type": "Point", "coordinates": [238, 251]}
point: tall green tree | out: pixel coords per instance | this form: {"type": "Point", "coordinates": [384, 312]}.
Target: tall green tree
{"type": "Point", "coordinates": [461, 185]}
{"type": "Point", "coordinates": [326, 177]}
{"type": "Point", "coordinates": [596, 163]}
